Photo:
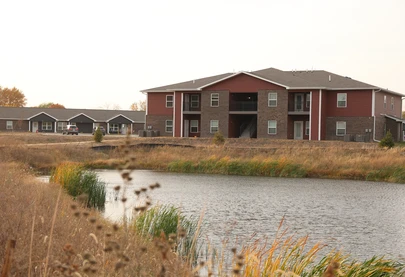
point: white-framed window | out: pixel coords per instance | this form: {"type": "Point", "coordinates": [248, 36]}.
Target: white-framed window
{"type": "Point", "coordinates": [169, 126]}
{"type": "Point", "coordinates": [308, 100]}
{"type": "Point", "coordinates": [214, 126]}
{"type": "Point", "coordinates": [169, 101]}
{"type": "Point", "coordinates": [392, 103]}
{"type": "Point", "coordinates": [114, 128]}
{"type": "Point", "coordinates": [61, 126]}
{"type": "Point", "coordinates": [214, 99]}
{"type": "Point", "coordinates": [195, 101]}
{"type": "Point", "coordinates": [193, 126]}
{"type": "Point", "coordinates": [9, 125]}
{"type": "Point", "coordinates": [272, 127]}
{"type": "Point", "coordinates": [47, 126]}
{"type": "Point", "coordinates": [385, 101]}
{"type": "Point", "coordinates": [272, 99]}
{"type": "Point", "coordinates": [342, 100]}
{"type": "Point", "coordinates": [341, 128]}
{"type": "Point", "coordinates": [307, 128]}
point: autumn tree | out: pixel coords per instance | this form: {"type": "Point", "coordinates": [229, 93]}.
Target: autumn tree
{"type": "Point", "coordinates": [51, 105]}
{"type": "Point", "coordinates": [138, 106]}
{"type": "Point", "coordinates": [12, 97]}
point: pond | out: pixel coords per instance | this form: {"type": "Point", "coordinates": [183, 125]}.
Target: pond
{"type": "Point", "coordinates": [360, 218]}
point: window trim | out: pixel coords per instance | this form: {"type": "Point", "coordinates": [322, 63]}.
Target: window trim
{"type": "Point", "coordinates": [337, 128]}
{"type": "Point", "coordinates": [61, 125]}
{"type": "Point", "coordinates": [385, 101]}
{"type": "Point", "coordinates": [169, 101]}
{"type": "Point", "coordinates": [46, 124]}
{"type": "Point", "coordinates": [268, 127]}
{"type": "Point", "coordinates": [169, 126]}
{"type": "Point", "coordinates": [392, 103]}
{"type": "Point", "coordinates": [308, 100]}
{"type": "Point", "coordinates": [191, 126]}
{"type": "Point", "coordinates": [195, 101]}
{"type": "Point", "coordinates": [114, 127]}
{"type": "Point", "coordinates": [216, 96]}
{"type": "Point", "coordinates": [337, 99]}
{"type": "Point", "coordinates": [212, 126]}
{"type": "Point", "coordinates": [9, 125]}
{"type": "Point", "coordinates": [269, 99]}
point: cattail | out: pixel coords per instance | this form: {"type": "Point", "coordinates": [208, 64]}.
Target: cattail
{"type": "Point", "coordinates": [124, 199]}
{"type": "Point", "coordinates": [73, 206]}
{"type": "Point", "coordinates": [144, 189]}
{"type": "Point", "coordinates": [137, 192]}
{"type": "Point", "coordinates": [92, 220]}
{"type": "Point", "coordinates": [116, 227]}
{"type": "Point", "coordinates": [117, 188]}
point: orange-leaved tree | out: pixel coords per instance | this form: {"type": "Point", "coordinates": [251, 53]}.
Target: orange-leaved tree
{"type": "Point", "coordinates": [51, 105]}
{"type": "Point", "coordinates": [138, 106]}
{"type": "Point", "coordinates": [12, 97]}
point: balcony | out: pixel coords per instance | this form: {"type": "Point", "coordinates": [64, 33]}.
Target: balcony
{"type": "Point", "coordinates": [243, 106]}
{"type": "Point", "coordinates": [297, 108]}
{"type": "Point", "coordinates": [243, 102]}
{"type": "Point", "coordinates": [191, 107]}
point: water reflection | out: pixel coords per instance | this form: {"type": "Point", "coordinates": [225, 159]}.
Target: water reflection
{"type": "Point", "coordinates": [362, 218]}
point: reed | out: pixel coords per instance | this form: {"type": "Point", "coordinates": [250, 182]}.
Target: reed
{"type": "Point", "coordinates": [181, 231]}
{"type": "Point", "coordinates": [77, 181]}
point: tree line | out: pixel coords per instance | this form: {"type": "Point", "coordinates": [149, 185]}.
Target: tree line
{"type": "Point", "coordinates": [15, 98]}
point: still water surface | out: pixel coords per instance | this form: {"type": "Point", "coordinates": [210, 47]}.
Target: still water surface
{"type": "Point", "coordinates": [360, 218]}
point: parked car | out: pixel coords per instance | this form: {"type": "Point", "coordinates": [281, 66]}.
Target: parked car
{"type": "Point", "coordinates": [71, 129]}
{"type": "Point", "coordinates": [101, 129]}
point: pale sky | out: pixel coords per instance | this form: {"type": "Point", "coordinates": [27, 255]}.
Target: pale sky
{"type": "Point", "coordinates": [92, 54]}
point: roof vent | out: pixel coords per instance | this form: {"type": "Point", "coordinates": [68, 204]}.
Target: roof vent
{"type": "Point", "coordinates": [330, 77]}
{"type": "Point", "coordinates": [193, 81]}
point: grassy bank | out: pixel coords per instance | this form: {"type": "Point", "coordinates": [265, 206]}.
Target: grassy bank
{"type": "Point", "coordinates": [280, 158]}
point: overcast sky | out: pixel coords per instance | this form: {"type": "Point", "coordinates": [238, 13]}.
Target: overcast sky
{"type": "Point", "coordinates": [92, 54]}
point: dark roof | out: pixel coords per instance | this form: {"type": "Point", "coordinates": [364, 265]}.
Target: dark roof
{"type": "Point", "coordinates": [25, 113]}
{"type": "Point", "coordinates": [290, 79]}
{"type": "Point", "coordinates": [193, 84]}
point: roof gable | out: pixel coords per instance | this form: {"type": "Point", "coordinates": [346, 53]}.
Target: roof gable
{"type": "Point", "coordinates": [41, 116]}
{"type": "Point", "coordinates": [81, 117]}
{"type": "Point", "coordinates": [243, 82]}
{"type": "Point", "coordinates": [116, 119]}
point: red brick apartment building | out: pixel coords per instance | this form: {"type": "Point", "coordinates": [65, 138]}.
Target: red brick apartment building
{"type": "Point", "coordinates": [276, 104]}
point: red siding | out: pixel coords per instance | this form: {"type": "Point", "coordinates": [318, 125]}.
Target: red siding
{"type": "Point", "coordinates": [243, 83]}
{"type": "Point", "coordinates": [359, 103]}
{"type": "Point", "coordinates": [177, 114]}
{"type": "Point", "coordinates": [157, 104]}
{"type": "Point", "coordinates": [314, 115]}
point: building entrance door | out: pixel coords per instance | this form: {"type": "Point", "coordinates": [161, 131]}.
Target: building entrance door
{"type": "Point", "coordinates": [298, 128]}
{"type": "Point", "coordinates": [34, 127]}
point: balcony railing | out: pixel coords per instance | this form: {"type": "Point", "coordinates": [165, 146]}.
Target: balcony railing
{"type": "Point", "coordinates": [298, 108]}
{"type": "Point", "coordinates": [243, 106]}
{"type": "Point", "coordinates": [187, 107]}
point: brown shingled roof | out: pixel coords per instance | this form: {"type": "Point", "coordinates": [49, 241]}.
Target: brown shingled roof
{"type": "Point", "coordinates": [290, 79]}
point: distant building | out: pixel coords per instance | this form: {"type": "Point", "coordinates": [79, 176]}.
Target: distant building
{"type": "Point", "coordinates": [55, 120]}
{"type": "Point", "coordinates": [275, 104]}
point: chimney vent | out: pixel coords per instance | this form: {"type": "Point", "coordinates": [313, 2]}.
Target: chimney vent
{"type": "Point", "coordinates": [330, 78]}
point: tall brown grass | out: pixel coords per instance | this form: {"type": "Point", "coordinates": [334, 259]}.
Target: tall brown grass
{"type": "Point", "coordinates": [31, 210]}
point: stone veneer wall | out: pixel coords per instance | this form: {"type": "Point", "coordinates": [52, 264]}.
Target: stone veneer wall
{"type": "Point", "coordinates": [209, 113]}
{"type": "Point", "coordinates": [266, 113]}
{"type": "Point", "coordinates": [158, 122]}
{"type": "Point", "coordinates": [354, 126]}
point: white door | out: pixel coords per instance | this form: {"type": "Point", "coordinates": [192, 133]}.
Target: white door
{"type": "Point", "coordinates": [299, 102]}
{"type": "Point", "coordinates": [298, 129]}
{"type": "Point", "coordinates": [186, 128]}
{"type": "Point", "coordinates": [34, 127]}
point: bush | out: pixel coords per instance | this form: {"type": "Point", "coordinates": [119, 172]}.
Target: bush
{"type": "Point", "coordinates": [218, 138]}
{"type": "Point", "coordinates": [387, 141]}
{"type": "Point", "coordinates": [98, 135]}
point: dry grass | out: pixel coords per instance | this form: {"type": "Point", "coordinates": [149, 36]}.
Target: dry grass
{"type": "Point", "coordinates": [81, 240]}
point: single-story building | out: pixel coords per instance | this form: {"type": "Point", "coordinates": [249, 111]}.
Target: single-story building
{"type": "Point", "coordinates": [24, 119]}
